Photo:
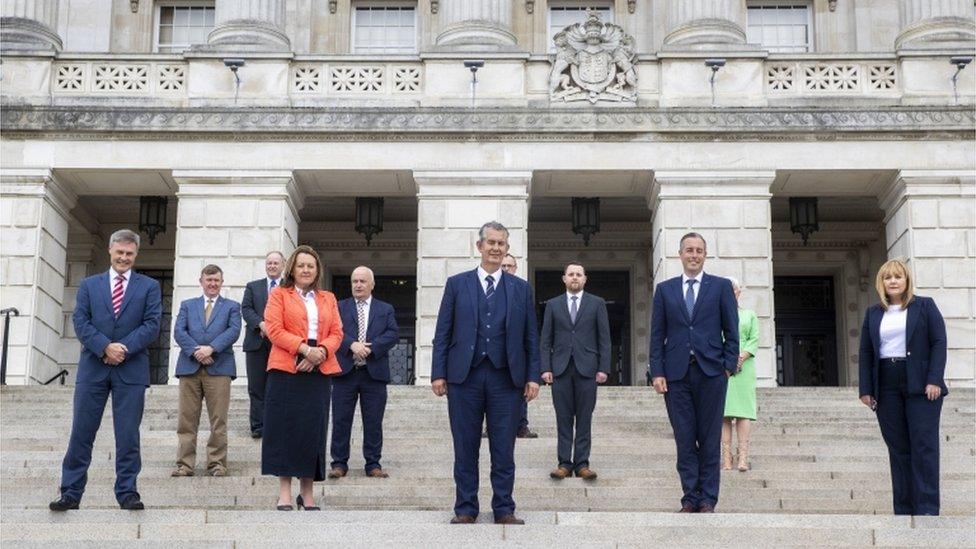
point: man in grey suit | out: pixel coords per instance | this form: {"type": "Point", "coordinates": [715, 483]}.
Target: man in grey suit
{"type": "Point", "coordinates": [575, 358]}
{"type": "Point", "coordinates": [257, 346]}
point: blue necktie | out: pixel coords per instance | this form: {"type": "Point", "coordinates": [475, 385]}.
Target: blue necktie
{"type": "Point", "coordinates": [491, 285]}
{"type": "Point", "coordinates": [690, 296]}
{"type": "Point", "coordinates": [273, 284]}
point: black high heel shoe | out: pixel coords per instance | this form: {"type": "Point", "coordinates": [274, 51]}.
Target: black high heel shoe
{"type": "Point", "coordinates": [285, 508]}
{"type": "Point", "coordinates": [301, 505]}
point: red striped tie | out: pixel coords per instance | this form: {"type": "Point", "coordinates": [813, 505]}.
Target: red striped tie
{"type": "Point", "coordinates": [117, 293]}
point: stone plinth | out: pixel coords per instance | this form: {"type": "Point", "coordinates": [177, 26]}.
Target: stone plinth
{"type": "Point", "coordinates": [936, 24]}
{"type": "Point", "coordinates": [29, 25]}
{"type": "Point", "coordinates": [34, 233]}
{"type": "Point", "coordinates": [476, 26]}
{"type": "Point", "coordinates": [249, 26]}
{"type": "Point", "coordinates": [705, 24]}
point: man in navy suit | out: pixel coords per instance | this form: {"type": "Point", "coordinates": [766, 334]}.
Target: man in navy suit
{"type": "Point", "coordinates": [486, 360]}
{"type": "Point", "coordinates": [257, 346]}
{"type": "Point", "coordinates": [369, 332]}
{"type": "Point", "coordinates": [206, 329]}
{"type": "Point", "coordinates": [694, 349]}
{"type": "Point", "coordinates": [116, 318]}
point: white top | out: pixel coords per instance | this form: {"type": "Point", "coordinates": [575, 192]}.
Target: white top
{"type": "Point", "coordinates": [313, 312]}
{"type": "Point", "coordinates": [497, 275]}
{"type": "Point", "coordinates": [893, 325]}
{"type": "Point", "coordinates": [112, 273]}
{"type": "Point", "coordinates": [569, 301]}
{"type": "Point", "coordinates": [696, 287]}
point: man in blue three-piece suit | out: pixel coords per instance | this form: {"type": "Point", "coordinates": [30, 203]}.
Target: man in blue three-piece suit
{"type": "Point", "coordinates": [369, 332]}
{"type": "Point", "coordinates": [694, 350]}
{"type": "Point", "coordinates": [486, 360]}
{"type": "Point", "coordinates": [206, 329]}
{"type": "Point", "coordinates": [116, 317]}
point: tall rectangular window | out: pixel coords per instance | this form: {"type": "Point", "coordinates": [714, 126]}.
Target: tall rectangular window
{"type": "Point", "coordinates": [564, 14]}
{"type": "Point", "coordinates": [181, 25]}
{"type": "Point", "coordinates": [384, 28]}
{"type": "Point", "coordinates": [780, 27]}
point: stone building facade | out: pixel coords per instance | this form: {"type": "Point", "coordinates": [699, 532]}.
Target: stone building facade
{"type": "Point", "coordinates": [678, 114]}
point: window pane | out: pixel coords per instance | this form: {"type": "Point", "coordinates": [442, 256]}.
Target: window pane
{"type": "Point", "coordinates": [180, 35]}
{"type": "Point", "coordinates": [181, 16]}
{"type": "Point", "coordinates": [165, 35]}
{"type": "Point", "coordinates": [166, 16]}
{"type": "Point", "coordinates": [210, 13]}
{"type": "Point", "coordinates": [197, 17]}
{"type": "Point", "coordinates": [198, 35]}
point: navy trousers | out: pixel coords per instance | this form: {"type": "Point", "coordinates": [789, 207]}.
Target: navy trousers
{"type": "Point", "coordinates": [574, 398]}
{"type": "Point", "coordinates": [487, 394]}
{"type": "Point", "coordinates": [357, 386]}
{"type": "Point", "coordinates": [910, 427]}
{"type": "Point", "coordinates": [524, 415]}
{"type": "Point", "coordinates": [128, 402]}
{"type": "Point", "coordinates": [695, 406]}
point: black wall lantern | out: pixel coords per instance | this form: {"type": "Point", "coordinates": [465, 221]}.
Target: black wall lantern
{"type": "Point", "coordinates": [369, 217]}
{"type": "Point", "coordinates": [803, 216]}
{"type": "Point", "coordinates": [586, 217]}
{"type": "Point", "coordinates": [152, 216]}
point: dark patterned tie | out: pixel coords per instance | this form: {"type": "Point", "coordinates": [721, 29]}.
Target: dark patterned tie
{"type": "Point", "coordinates": [690, 296]}
{"type": "Point", "coordinates": [361, 321]}
{"type": "Point", "coordinates": [491, 286]}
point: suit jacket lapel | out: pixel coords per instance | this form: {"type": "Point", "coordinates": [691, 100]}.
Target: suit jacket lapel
{"type": "Point", "coordinates": [103, 294]}
{"type": "Point", "coordinates": [679, 294]}
{"type": "Point", "coordinates": [509, 296]}
{"type": "Point", "coordinates": [876, 314]}
{"type": "Point", "coordinates": [706, 284]}
{"type": "Point", "coordinates": [911, 312]}
{"type": "Point", "coordinates": [474, 286]}
{"type": "Point", "coordinates": [369, 318]}
{"type": "Point", "coordinates": [218, 305]}
{"type": "Point", "coordinates": [129, 290]}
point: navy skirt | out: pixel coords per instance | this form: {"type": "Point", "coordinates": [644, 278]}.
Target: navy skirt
{"type": "Point", "coordinates": [296, 415]}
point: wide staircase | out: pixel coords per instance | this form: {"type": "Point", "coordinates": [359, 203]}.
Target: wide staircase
{"type": "Point", "coordinates": [819, 478]}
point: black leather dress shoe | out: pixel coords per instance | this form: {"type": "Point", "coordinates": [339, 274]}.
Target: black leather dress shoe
{"type": "Point", "coordinates": [255, 434]}
{"type": "Point", "coordinates": [463, 519]}
{"type": "Point", "coordinates": [688, 508]}
{"type": "Point", "coordinates": [509, 519]}
{"type": "Point", "coordinates": [524, 432]}
{"type": "Point", "coordinates": [63, 504]}
{"type": "Point", "coordinates": [132, 503]}
{"type": "Point", "coordinates": [706, 508]}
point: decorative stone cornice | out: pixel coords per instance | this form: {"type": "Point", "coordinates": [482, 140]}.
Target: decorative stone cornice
{"type": "Point", "coordinates": [572, 123]}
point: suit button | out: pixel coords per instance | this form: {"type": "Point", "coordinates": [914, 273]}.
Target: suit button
{"type": "Point", "coordinates": [487, 339]}
{"type": "Point", "coordinates": [909, 353]}
{"type": "Point", "coordinates": [489, 325]}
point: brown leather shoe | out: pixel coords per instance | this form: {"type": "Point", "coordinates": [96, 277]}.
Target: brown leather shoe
{"type": "Point", "coordinates": [463, 519]}
{"type": "Point", "coordinates": [688, 508]}
{"type": "Point", "coordinates": [560, 473]}
{"type": "Point", "coordinates": [586, 473]}
{"type": "Point", "coordinates": [525, 432]}
{"type": "Point", "coordinates": [377, 473]}
{"type": "Point", "coordinates": [182, 472]}
{"type": "Point", "coordinates": [706, 508]}
{"type": "Point", "coordinates": [509, 519]}
{"type": "Point", "coordinates": [337, 472]}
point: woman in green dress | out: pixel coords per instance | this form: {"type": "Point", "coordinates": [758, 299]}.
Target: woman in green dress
{"type": "Point", "coordinates": [740, 401]}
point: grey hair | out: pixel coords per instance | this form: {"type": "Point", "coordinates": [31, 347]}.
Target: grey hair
{"type": "Point", "coordinates": [365, 268]}
{"type": "Point", "coordinates": [735, 283]}
{"type": "Point", "coordinates": [494, 225]}
{"type": "Point", "coordinates": [276, 252]}
{"type": "Point", "coordinates": [681, 242]}
{"type": "Point", "coordinates": [124, 235]}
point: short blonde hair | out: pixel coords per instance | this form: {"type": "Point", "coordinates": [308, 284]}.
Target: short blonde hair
{"type": "Point", "coordinates": [891, 267]}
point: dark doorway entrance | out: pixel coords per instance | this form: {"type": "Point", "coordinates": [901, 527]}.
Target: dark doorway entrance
{"type": "Point", "coordinates": [401, 292]}
{"type": "Point", "coordinates": [806, 337]}
{"type": "Point", "coordinates": [159, 350]}
{"type": "Point", "coordinates": [614, 287]}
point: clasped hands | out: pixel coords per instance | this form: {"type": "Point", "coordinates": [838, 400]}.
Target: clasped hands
{"type": "Point", "coordinates": [204, 354]}
{"type": "Point", "coordinates": [361, 350]}
{"type": "Point", "coordinates": [114, 353]}
{"type": "Point", "coordinates": [313, 356]}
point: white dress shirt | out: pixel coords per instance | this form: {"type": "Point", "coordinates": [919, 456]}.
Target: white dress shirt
{"type": "Point", "coordinates": [112, 273]}
{"type": "Point", "coordinates": [497, 275]}
{"type": "Point", "coordinates": [569, 302]}
{"type": "Point", "coordinates": [892, 332]}
{"type": "Point", "coordinates": [696, 287]}
{"type": "Point", "coordinates": [313, 312]}
{"type": "Point", "coordinates": [267, 283]}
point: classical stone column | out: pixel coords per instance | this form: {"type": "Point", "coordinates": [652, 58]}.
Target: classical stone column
{"type": "Point", "coordinates": [33, 231]}
{"type": "Point", "coordinates": [82, 247]}
{"type": "Point", "coordinates": [936, 24]}
{"type": "Point", "coordinates": [249, 26]}
{"type": "Point", "coordinates": [29, 25]}
{"type": "Point", "coordinates": [232, 219]}
{"type": "Point", "coordinates": [705, 24]}
{"type": "Point", "coordinates": [452, 208]}
{"type": "Point", "coordinates": [930, 222]}
{"type": "Point", "coordinates": [732, 211]}
{"type": "Point", "coordinates": [476, 25]}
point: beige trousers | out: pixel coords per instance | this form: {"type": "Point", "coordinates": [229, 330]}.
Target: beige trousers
{"type": "Point", "coordinates": [194, 390]}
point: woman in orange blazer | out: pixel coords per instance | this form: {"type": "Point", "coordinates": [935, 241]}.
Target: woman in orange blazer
{"type": "Point", "coordinates": [305, 330]}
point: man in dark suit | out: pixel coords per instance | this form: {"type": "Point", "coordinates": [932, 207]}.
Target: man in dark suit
{"type": "Point", "coordinates": [116, 317]}
{"type": "Point", "coordinates": [369, 332]}
{"type": "Point", "coordinates": [575, 358]}
{"type": "Point", "coordinates": [257, 346]}
{"type": "Point", "coordinates": [486, 360]}
{"type": "Point", "coordinates": [206, 329]}
{"type": "Point", "coordinates": [694, 349]}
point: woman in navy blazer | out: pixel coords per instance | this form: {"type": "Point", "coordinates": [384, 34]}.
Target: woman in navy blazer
{"type": "Point", "coordinates": [902, 364]}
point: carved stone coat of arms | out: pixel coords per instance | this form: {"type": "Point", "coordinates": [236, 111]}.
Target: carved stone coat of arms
{"type": "Point", "coordinates": [594, 61]}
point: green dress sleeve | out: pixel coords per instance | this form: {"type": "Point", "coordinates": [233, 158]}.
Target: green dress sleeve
{"type": "Point", "coordinates": [749, 332]}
